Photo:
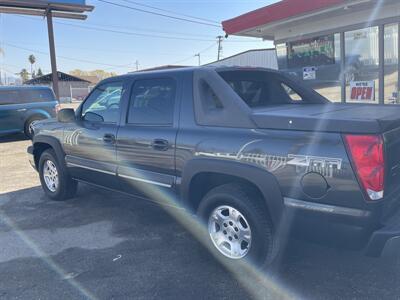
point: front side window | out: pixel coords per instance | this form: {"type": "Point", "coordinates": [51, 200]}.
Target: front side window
{"type": "Point", "coordinates": [152, 102]}
{"type": "Point", "coordinates": [103, 104]}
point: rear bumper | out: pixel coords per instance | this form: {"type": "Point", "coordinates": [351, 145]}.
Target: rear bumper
{"type": "Point", "coordinates": [31, 158]}
{"type": "Point", "coordinates": [386, 240]}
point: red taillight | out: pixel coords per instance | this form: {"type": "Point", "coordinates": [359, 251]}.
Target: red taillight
{"type": "Point", "coordinates": [368, 158]}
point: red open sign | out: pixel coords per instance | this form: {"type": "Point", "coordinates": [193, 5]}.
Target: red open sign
{"type": "Point", "coordinates": [362, 90]}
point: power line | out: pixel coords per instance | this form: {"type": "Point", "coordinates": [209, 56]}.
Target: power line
{"type": "Point", "coordinates": [103, 50]}
{"type": "Point", "coordinates": [133, 33]}
{"type": "Point", "coordinates": [66, 58]}
{"type": "Point", "coordinates": [197, 54]}
{"type": "Point", "coordinates": [124, 32]}
{"type": "Point", "coordinates": [139, 34]}
{"type": "Point", "coordinates": [172, 12]}
{"type": "Point", "coordinates": [159, 14]}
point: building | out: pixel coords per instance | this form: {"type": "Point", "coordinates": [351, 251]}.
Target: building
{"type": "Point", "coordinates": [159, 68]}
{"type": "Point", "coordinates": [265, 58]}
{"type": "Point", "coordinates": [70, 87]}
{"type": "Point", "coordinates": [348, 50]}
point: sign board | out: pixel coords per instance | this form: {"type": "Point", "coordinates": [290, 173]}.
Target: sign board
{"type": "Point", "coordinates": [362, 90]}
{"type": "Point", "coordinates": [68, 2]}
{"type": "Point", "coordinates": [316, 51]}
{"type": "Point", "coordinates": [309, 73]}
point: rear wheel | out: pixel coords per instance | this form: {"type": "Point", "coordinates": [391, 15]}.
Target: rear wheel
{"type": "Point", "coordinates": [238, 224]}
{"type": "Point", "coordinates": [55, 180]}
{"type": "Point", "coordinates": [28, 128]}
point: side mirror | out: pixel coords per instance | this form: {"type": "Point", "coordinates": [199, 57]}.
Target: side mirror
{"type": "Point", "coordinates": [93, 117]}
{"type": "Point", "coordinates": [66, 115]}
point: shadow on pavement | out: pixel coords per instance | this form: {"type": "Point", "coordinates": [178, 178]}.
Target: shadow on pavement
{"type": "Point", "coordinates": [13, 138]}
{"type": "Point", "coordinates": [117, 246]}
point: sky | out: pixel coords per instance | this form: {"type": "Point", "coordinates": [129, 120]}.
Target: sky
{"type": "Point", "coordinates": [151, 40]}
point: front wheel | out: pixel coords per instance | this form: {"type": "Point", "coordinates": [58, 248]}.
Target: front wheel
{"type": "Point", "coordinates": [238, 224]}
{"type": "Point", "coordinates": [54, 178]}
{"type": "Point", "coordinates": [28, 127]}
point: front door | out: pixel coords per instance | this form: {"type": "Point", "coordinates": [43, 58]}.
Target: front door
{"type": "Point", "coordinates": [146, 138]}
{"type": "Point", "coordinates": [90, 142]}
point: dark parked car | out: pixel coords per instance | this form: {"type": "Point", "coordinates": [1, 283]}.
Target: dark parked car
{"type": "Point", "coordinates": [250, 151]}
{"type": "Point", "coordinates": [21, 106]}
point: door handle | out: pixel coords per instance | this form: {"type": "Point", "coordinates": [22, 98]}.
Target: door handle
{"type": "Point", "coordinates": [109, 138]}
{"type": "Point", "coordinates": [160, 145]}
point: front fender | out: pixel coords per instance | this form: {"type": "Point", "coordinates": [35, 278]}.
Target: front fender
{"type": "Point", "coordinates": [262, 179]}
{"type": "Point", "coordinates": [39, 140]}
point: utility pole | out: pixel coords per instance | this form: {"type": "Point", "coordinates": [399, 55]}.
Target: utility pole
{"type": "Point", "coordinates": [53, 58]}
{"type": "Point", "coordinates": [198, 55]}
{"type": "Point", "coordinates": [220, 37]}
{"type": "Point", "coordinates": [137, 65]}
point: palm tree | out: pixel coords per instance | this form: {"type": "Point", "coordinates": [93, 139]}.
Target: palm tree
{"type": "Point", "coordinates": [24, 75]}
{"type": "Point", "coordinates": [32, 60]}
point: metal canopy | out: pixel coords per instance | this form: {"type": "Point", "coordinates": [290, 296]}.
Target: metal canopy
{"type": "Point", "coordinates": [70, 9]}
{"type": "Point", "coordinates": [59, 9]}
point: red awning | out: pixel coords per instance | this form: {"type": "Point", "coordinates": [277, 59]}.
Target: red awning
{"type": "Point", "coordinates": [276, 12]}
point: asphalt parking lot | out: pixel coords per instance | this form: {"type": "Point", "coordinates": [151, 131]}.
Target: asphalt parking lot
{"type": "Point", "coordinates": [103, 245]}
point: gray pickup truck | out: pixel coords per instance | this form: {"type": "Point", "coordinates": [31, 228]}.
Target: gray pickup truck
{"type": "Point", "coordinates": [247, 150]}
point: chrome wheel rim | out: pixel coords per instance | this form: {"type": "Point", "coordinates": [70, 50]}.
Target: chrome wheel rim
{"type": "Point", "coordinates": [50, 175]}
{"type": "Point", "coordinates": [30, 128]}
{"type": "Point", "coordinates": [230, 232]}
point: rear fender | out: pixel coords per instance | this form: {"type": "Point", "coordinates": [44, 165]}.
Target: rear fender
{"type": "Point", "coordinates": [263, 180]}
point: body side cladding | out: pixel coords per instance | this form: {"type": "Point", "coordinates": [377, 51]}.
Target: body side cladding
{"type": "Point", "coordinates": [262, 179]}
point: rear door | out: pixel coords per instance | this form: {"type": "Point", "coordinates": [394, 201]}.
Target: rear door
{"type": "Point", "coordinates": [147, 136]}
{"type": "Point", "coordinates": [9, 111]}
{"type": "Point", "coordinates": [90, 141]}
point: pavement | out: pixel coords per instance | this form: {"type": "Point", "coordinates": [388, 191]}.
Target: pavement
{"type": "Point", "coordinates": [105, 245]}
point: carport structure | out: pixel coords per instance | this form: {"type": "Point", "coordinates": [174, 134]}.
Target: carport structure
{"type": "Point", "coordinates": [68, 9]}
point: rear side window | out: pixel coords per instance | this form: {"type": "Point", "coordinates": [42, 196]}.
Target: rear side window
{"type": "Point", "coordinates": [152, 102]}
{"type": "Point", "coordinates": [260, 89]}
{"type": "Point", "coordinates": [8, 97]}
{"type": "Point", "coordinates": [36, 95]}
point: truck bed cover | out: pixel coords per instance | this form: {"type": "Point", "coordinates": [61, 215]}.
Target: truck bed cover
{"type": "Point", "coordinates": [332, 117]}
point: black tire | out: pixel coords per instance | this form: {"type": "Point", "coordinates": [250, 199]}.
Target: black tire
{"type": "Point", "coordinates": [66, 188]}
{"type": "Point", "coordinates": [264, 246]}
{"type": "Point", "coordinates": [28, 123]}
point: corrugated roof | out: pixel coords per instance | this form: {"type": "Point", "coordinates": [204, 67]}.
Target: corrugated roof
{"type": "Point", "coordinates": [45, 79]}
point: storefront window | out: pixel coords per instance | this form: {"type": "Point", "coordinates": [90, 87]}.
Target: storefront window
{"type": "Point", "coordinates": [361, 73]}
{"type": "Point", "coordinates": [281, 54]}
{"type": "Point", "coordinates": [315, 61]}
{"type": "Point", "coordinates": [391, 51]}
{"type": "Point", "coordinates": [327, 81]}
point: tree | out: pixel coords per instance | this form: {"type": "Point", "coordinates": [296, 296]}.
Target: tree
{"type": "Point", "coordinates": [24, 75]}
{"type": "Point", "coordinates": [32, 60]}
{"type": "Point", "coordinates": [39, 72]}
{"type": "Point", "coordinates": [100, 74]}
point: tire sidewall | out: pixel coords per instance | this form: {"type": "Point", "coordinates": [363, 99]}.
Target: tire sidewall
{"type": "Point", "coordinates": [49, 155]}
{"type": "Point", "coordinates": [259, 244]}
